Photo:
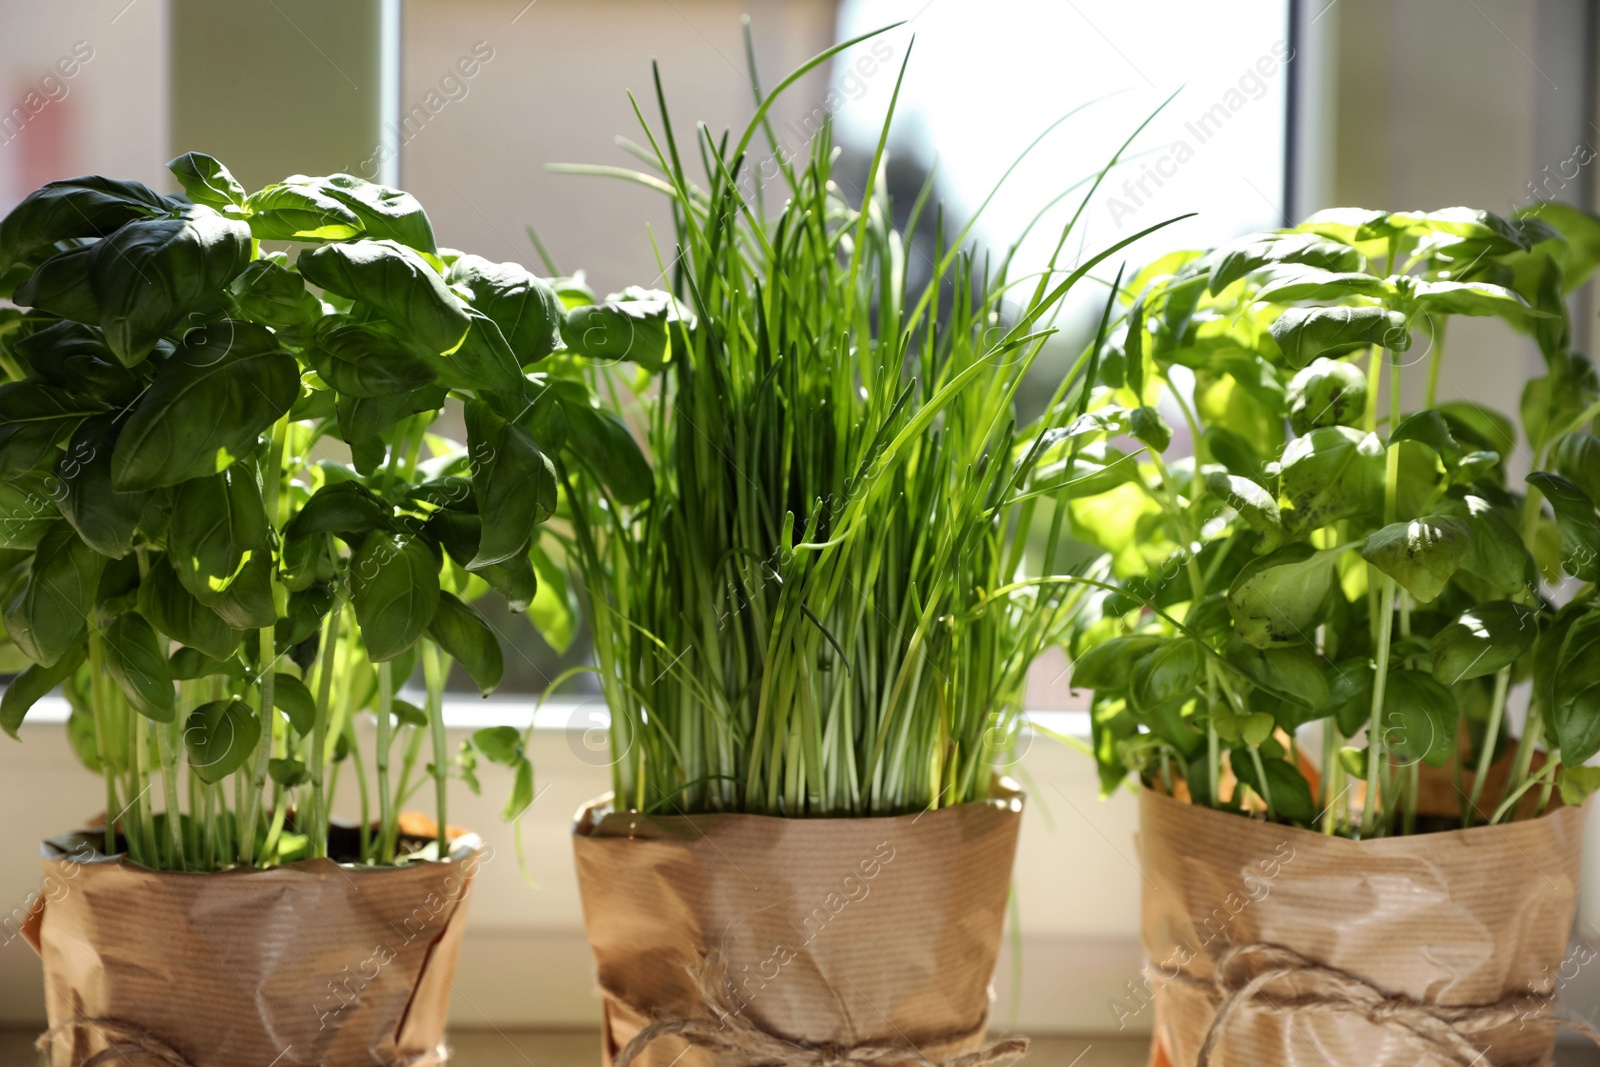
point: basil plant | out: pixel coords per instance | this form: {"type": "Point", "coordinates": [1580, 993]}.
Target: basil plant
{"type": "Point", "coordinates": [1320, 597]}
{"type": "Point", "coordinates": [228, 528]}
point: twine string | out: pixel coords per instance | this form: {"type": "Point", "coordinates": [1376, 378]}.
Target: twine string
{"type": "Point", "coordinates": [730, 1033]}
{"type": "Point", "coordinates": [1442, 1030]}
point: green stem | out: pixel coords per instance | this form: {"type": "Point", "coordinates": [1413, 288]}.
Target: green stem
{"type": "Point", "coordinates": [168, 753]}
{"type": "Point", "coordinates": [272, 483]}
{"type": "Point", "coordinates": [1491, 737]}
{"type": "Point", "coordinates": [102, 738]}
{"type": "Point", "coordinates": [385, 720]}
{"type": "Point", "coordinates": [147, 822]}
{"type": "Point", "coordinates": [318, 829]}
{"type": "Point", "coordinates": [433, 675]}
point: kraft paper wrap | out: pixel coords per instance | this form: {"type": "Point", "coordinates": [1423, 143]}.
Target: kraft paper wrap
{"type": "Point", "coordinates": [837, 932]}
{"type": "Point", "coordinates": [313, 962]}
{"type": "Point", "coordinates": [1459, 918]}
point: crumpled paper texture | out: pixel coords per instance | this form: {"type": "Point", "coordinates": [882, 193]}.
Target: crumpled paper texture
{"type": "Point", "coordinates": [309, 963]}
{"type": "Point", "coordinates": [839, 931]}
{"type": "Point", "coordinates": [1463, 917]}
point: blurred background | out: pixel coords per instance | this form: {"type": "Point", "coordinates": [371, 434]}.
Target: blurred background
{"type": "Point", "coordinates": [1263, 111]}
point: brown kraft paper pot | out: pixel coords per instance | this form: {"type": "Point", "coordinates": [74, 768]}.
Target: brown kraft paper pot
{"type": "Point", "coordinates": [313, 962]}
{"type": "Point", "coordinates": [1462, 919]}
{"type": "Point", "coordinates": [834, 932]}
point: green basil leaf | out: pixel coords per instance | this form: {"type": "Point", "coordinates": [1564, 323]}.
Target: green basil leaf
{"type": "Point", "coordinates": [34, 419]}
{"type": "Point", "coordinates": [1168, 673]}
{"type": "Point", "coordinates": [1576, 522]}
{"type": "Point", "coordinates": [513, 482]}
{"type": "Point", "coordinates": [1281, 597]}
{"type": "Point", "coordinates": [1483, 639]}
{"type": "Point", "coordinates": [75, 358]}
{"type": "Point", "coordinates": [32, 685]}
{"type": "Point", "coordinates": [1472, 298]}
{"type": "Point", "coordinates": [1420, 717]}
{"type": "Point", "coordinates": [191, 663]}
{"type": "Point", "coordinates": [306, 610]}
{"type": "Point", "coordinates": [1420, 555]}
{"type": "Point", "coordinates": [395, 588]}
{"type": "Point", "coordinates": [61, 286]}
{"type": "Point", "coordinates": [227, 382]}
{"type": "Point", "coordinates": [137, 662]}
{"type": "Point", "coordinates": [247, 603]}
{"type": "Point", "coordinates": [600, 438]}
{"type": "Point", "coordinates": [27, 510]}
{"type": "Point", "coordinates": [343, 508]}
{"type": "Point", "coordinates": [220, 736]}
{"type": "Point", "coordinates": [551, 610]}
{"type": "Point", "coordinates": [408, 714]}
{"type": "Point", "coordinates": [1108, 666]}
{"type": "Point", "coordinates": [1292, 673]}
{"type": "Point", "coordinates": [290, 695]}
{"type": "Point", "coordinates": [49, 615]}
{"type": "Point", "coordinates": [395, 281]}
{"type": "Point", "coordinates": [1577, 459]}
{"type": "Point", "coordinates": [1432, 429]}
{"type": "Point", "coordinates": [173, 610]}
{"type": "Point", "coordinates": [151, 273]}
{"type": "Point", "coordinates": [468, 640]}
{"type": "Point", "coordinates": [385, 213]}
{"type": "Point", "coordinates": [1327, 392]}
{"type": "Point", "coordinates": [1497, 554]}
{"type": "Point", "coordinates": [1292, 282]}
{"type": "Point", "coordinates": [274, 295]}
{"type": "Point", "coordinates": [521, 792]}
{"type": "Point", "coordinates": [288, 773]}
{"type": "Point", "coordinates": [218, 524]}
{"type": "Point", "coordinates": [299, 212]}
{"type": "Point", "coordinates": [72, 209]}
{"type": "Point", "coordinates": [1577, 691]}
{"type": "Point", "coordinates": [524, 307]}
{"type": "Point", "coordinates": [362, 419]}
{"type": "Point", "coordinates": [1303, 334]}
{"type": "Point", "coordinates": [1332, 473]}
{"type": "Point", "coordinates": [499, 744]}
{"type": "Point", "coordinates": [360, 361]}
{"type": "Point", "coordinates": [1249, 254]}
{"type": "Point", "coordinates": [206, 181]}
{"type": "Point", "coordinates": [631, 327]}
{"type": "Point", "coordinates": [103, 517]}
{"type": "Point", "coordinates": [1252, 503]}
{"type": "Point", "coordinates": [1291, 793]}
{"type": "Point", "coordinates": [484, 361]}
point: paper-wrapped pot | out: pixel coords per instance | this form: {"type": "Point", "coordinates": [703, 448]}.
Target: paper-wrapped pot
{"type": "Point", "coordinates": [1377, 947]}
{"type": "Point", "coordinates": [313, 962]}
{"type": "Point", "coordinates": [827, 933]}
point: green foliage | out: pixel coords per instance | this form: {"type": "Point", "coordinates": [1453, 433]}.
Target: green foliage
{"type": "Point", "coordinates": [1440, 613]}
{"type": "Point", "coordinates": [180, 554]}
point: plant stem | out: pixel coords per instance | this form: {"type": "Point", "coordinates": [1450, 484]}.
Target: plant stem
{"type": "Point", "coordinates": [147, 822]}
{"type": "Point", "coordinates": [1491, 737]}
{"type": "Point", "coordinates": [318, 829]}
{"type": "Point", "coordinates": [102, 739]}
{"type": "Point", "coordinates": [1375, 745]}
{"type": "Point", "coordinates": [385, 720]}
{"type": "Point", "coordinates": [272, 483]}
{"type": "Point", "coordinates": [168, 753]}
{"type": "Point", "coordinates": [433, 675]}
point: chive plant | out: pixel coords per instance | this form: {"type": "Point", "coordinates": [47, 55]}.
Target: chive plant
{"type": "Point", "coordinates": [229, 529]}
{"type": "Point", "coordinates": [813, 599]}
{"type": "Point", "coordinates": [1321, 561]}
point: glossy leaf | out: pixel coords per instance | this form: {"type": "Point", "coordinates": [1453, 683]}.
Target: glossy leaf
{"type": "Point", "coordinates": [361, 361]}
{"type": "Point", "coordinates": [75, 208]}
{"type": "Point", "coordinates": [1419, 555]}
{"type": "Point", "coordinates": [49, 615]}
{"type": "Point", "coordinates": [395, 588]}
{"type": "Point", "coordinates": [1280, 598]}
{"type": "Point", "coordinates": [1483, 639]}
{"type": "Point", "coordinates": [173, 610]}
{"type": "Point", "coordinates": [512, 481]}
{"type": "Point", "coordinates": [135, 658]}
{"type": "Point", "coordinates": [1303, 334]}
{"type": "Point", "coordinates": [103, 517]}
{"type": "Point", "coordinates": [1328, 392]}
{"type": "Point", "coordinates": [33, 685]}
{"type": "Point", "coordinates": [469, 640]}
{"type": "Point", "coordinates": [207, 181]}
{"type": "Point", "coordinates": [524, 308]}
{"type": "Point", "coordinates": [34, 419]}
{"type": "Point", "coordinates": [1419, 718]}
{"type": "Point", "coordinates": [290, 696]}
{"type": "Point", "coordinates": [1332, 473]}
{"type": "Point", "coordinates": [220, 736]}
{"type": "Point", "coordinates": [1578, 525]}
{"type": "Point", "coordinates": [600, 438]}
{"type": "Point", "coordinates": [218, 525]}
{"type": "Point", "coordinates": [207, 406]}
{"type": "Point", "coordinates": [151, 273]}
{"type": "Point", "coordinates": [395, 281]}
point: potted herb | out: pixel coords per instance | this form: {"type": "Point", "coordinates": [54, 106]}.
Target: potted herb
{"type": "Point", "coordinates": [1314, 616]}
{"type": "Point", "coordinates": [811, 625]}
{"type": "Point", "coordinates": [229, 532]}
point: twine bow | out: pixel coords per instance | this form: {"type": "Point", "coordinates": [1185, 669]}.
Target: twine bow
{"type": "Point", "coordinates": [124, 1039]}
{"type": "Point", "coordinates": [1441, 1030]}
{"type": "Point", "coordinates": [731, 1033]}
